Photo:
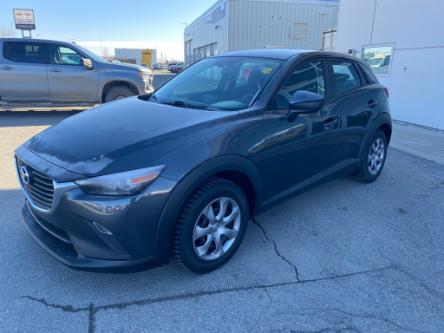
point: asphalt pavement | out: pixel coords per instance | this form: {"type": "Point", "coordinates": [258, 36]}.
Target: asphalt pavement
{"type": "Point", "coordinates": [343, 257]}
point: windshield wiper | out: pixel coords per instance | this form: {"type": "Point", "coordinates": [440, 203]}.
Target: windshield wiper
{"type": "Point", "coordinates": [154, 98]}
{"type": "Point", "coordinates": [182, 104]}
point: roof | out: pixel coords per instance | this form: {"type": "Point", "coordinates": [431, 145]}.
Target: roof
{"type": "Point", "coordinates": [286, 54]}
{"type": "Point", "coordinates": [34, 40]}
{"type": "Point", "coordinates": [278, 54]}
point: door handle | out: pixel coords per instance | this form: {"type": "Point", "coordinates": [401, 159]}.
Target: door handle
{"type": "Point", "coordinates": [55, 70]}
{"type": "Point", "coordinates": [331, 124]}
{"type": "Point", "coordinates": [372, 103]}
{"type": "Point", "coordinates": [6, 68]}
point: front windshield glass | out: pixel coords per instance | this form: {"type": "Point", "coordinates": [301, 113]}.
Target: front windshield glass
{"type": "Point", "coordinates": [90, 54]}
{"type": "Point", "coordinates": [222, 83]}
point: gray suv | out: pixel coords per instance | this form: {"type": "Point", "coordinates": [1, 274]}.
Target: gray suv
{"type": "Point", "coordinates": [59, 73]}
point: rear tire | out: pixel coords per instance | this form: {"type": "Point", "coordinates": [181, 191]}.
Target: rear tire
{"type": "Point", "coordinates": [211, 226]}
{"type": "Point", "coordinates": [118, 92]}
{"type": "Point", "coordinates": [373, 157]}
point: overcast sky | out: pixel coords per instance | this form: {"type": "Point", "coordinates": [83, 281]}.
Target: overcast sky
{"type": "Point", "coordinates": [98, 24]}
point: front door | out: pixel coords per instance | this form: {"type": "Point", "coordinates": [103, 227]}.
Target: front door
{"type": "Point", "coordinates": [298, 148]}
{"type": "Point", "coordinates": [69, 80]}
{"type": "Point", "coordinates": [23, 75]}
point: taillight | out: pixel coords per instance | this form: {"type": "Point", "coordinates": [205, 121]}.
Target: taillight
{"type": "Point", "coordinates": [387, 93]}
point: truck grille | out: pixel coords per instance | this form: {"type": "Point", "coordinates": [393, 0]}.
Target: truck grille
{"type": "Point", "coordinates": [38, 187]}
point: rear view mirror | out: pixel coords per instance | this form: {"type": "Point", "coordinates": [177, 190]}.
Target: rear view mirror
{"type": "Point", "coordinates": [87, 63]}
{"type": "Point", "coordinates": [305, 101]}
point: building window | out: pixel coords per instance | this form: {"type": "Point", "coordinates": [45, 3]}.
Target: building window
{"type": "Point", "coordinates": [300, 31]}
{"type": "Point", "coordinates": [378, 58]}
{"type": "Point", "coordinates": [205, 51]}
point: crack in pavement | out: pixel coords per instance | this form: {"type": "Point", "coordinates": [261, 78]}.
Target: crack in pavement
{"type": "Point", "coordinates": [91, 309]}
{"type": "Point", "coordinates": [92, 318]}
{"type": "Point", "coordinates": [339, 312]}
{"type": "Point", "coordinates": [94, 309]}
{"type": "Point", "coordinates": [280, 255]}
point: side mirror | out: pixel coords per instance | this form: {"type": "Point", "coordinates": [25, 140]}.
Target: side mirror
{"type": "Point", "coordinates": [305, 101]}
{"type": "Point", "coordinates": [87, 63]}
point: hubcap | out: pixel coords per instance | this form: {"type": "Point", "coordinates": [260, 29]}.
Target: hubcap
{"type": "Point", "coordinates": [376, 156]}
{"type": "Point", "coordinates": [216, 228]}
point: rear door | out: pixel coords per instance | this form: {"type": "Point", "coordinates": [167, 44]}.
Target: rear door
{"type": "Point", "coordinates": [23, 76]}
{"type": "Point", "coordinates": [354, 103]}
{"type": "Point", "coordinates": [69, 80]}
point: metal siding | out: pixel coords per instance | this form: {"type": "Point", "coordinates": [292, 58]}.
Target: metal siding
{"type": "Point", "coordinates": [259, 23]}
{"type": "Point", "coordinates": [202, 33]}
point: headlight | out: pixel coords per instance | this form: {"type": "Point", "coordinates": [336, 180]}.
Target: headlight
{"type": "Point", "coordinates": [123, 183]}
{"type": "Point", "coordinates": [145, 75]}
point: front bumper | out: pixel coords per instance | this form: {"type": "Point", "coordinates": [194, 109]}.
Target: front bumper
{"type": "Point", "coordinates": [97, 232]}
{"type": "Point", "coordinates": [66, 253]}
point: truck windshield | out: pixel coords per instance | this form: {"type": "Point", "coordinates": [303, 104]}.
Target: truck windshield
{"type": "Point", "coordinates": [220, 83]}
{"type": "Point", "coordinates": [90, 54]}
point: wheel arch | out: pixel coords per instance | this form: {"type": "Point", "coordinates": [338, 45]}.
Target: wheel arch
{"type": "Point", "coordinates": [235, 168]}
{"type": "Point", "coordinates": [382, 121]}
{"type": "Point", "coordinates": [111, 84]}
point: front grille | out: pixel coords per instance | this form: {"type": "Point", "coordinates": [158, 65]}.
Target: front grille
{"type": "Point", "coordinates": [37, 186]}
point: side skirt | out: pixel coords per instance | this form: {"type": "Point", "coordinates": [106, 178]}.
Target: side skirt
{"type": "Point", "coordinates": [341, 168]}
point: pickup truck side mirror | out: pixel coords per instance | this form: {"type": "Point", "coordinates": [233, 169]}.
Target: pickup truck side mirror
{"type": "Point", "coordinates": [87, 63]}
{"type": "Point", "coordinates": [305, 102]}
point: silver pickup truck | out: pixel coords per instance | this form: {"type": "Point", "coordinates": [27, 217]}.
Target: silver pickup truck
{"type": "Point", "coordinates": [43, 72]}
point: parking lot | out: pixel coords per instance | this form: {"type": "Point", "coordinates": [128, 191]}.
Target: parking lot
{"type": "Point", "coordinates": [344, 257]}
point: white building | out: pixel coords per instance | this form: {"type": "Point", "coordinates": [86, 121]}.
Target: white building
{"type": "Point", "coordinates": [247, 24]}
{"type": "Point", "coordinates": [404, 43]}
{"type": "Point", "coordinates": [147, 57]}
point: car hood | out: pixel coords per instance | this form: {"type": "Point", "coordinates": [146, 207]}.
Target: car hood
{"type": "Point", "coordinates": [124, 66]}
{"type": "Point", "coordinates": [122, 135]}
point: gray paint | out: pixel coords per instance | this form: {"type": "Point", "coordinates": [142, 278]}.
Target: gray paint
{"type": "Point", "coordinates": [251, 24]}
{"type": "Point", "coordinates": [58, 83]}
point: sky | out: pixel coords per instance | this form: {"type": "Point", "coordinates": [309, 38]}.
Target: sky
{"type": "Point", "coordinates": [103, 25]}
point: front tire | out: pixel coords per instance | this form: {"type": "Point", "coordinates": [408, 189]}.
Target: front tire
{"type": "Point", "coordinates": [118, 92]}
{"type": "Point", "coordinates": [211, 226]}
{"type": "Point", "coordinates": [373, 157]}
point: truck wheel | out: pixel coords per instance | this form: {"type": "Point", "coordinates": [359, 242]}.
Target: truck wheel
{"type": "Point", "coordinates": [118, 92]}
{"type": "Point", "coordinates": [211, 226]}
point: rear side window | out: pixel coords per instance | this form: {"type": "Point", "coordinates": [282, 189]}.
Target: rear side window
{"type": "Point", "coordinates": [371, 78]}
{"type": "Point", "coordinates": [345, 77]}
{"type": "Point", "coordinates": [27, 52]}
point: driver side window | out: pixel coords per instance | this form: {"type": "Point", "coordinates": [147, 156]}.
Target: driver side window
{"type": "Point", "coordinates": [308, 76]}
{"type": "Point", "coordinates": [63, 55]}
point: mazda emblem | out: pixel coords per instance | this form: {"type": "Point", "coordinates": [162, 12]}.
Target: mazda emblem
{"type": "Point", "coordinates": [24, 175]}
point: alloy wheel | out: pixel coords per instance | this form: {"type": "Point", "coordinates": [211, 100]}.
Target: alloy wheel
{"type": "Point", "coordinates": [376, 156]}
{"type": "Point", "coordinates": [216, 228]}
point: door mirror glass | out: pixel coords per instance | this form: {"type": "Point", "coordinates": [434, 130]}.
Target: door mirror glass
{"type": "Point", "coordinates": [305, 101]}
{"type": "Point", "coordinates": [87, 63]}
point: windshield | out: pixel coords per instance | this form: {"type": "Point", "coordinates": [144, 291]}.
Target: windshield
{"type": "Point", "coordinates": [90, 54]}
{"type": "Point", "coordinates": [222, 83]}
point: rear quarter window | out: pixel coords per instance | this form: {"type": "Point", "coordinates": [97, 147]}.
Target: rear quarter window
{"type": "Point", "coordinates": [368, 74]}
{"type": "Point", "coordinates": [26, 52]}
{"type": "Point", "coordinates": [345, 76]}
